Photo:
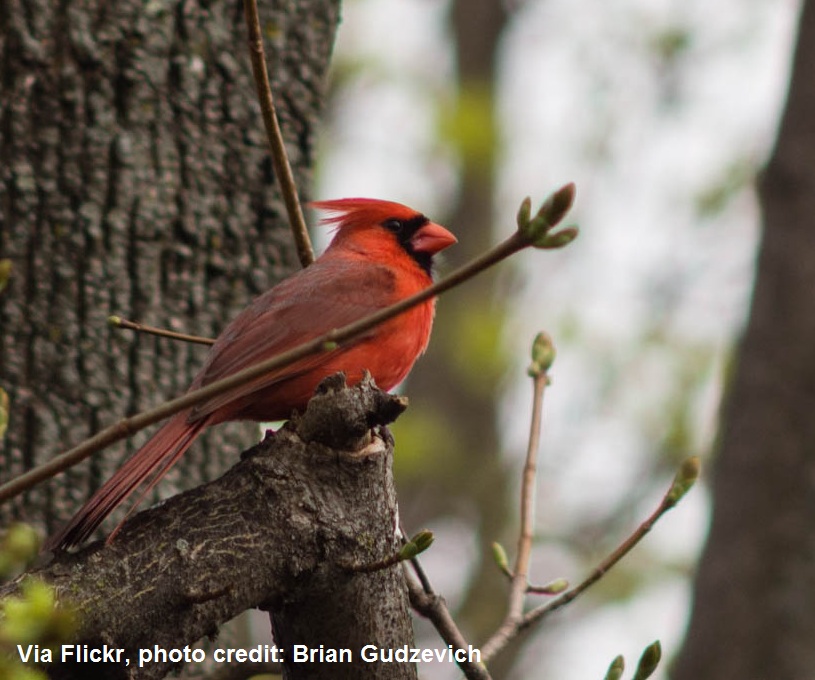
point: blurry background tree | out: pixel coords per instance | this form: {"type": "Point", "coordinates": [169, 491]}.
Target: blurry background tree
{"type": "Point", "coordinates": [461, 473]}
{"type": "Point", "coordinates": [753, 615]}
{"type": "Point", "coordinates": [135, 180]}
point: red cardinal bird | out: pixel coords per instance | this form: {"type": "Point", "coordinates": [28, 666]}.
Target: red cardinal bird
{"type": "Point", "coordinates": [381, 253]}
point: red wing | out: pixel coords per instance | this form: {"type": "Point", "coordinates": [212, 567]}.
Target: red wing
{"type": "Point", "coordinates": [316, 300]}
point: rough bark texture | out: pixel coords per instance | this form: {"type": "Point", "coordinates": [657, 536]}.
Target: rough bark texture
{"type": "Point", "coordinates": [753, 613]}
{"type": "Point", "coordinates": [135, 180]}
{"type": "Point", "coordinates": [278, 531]}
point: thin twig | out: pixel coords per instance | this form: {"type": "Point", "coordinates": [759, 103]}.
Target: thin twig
{"type": "Point", "coordinates": [283, 171]}
{"type": "Point", "coordinates": [434, 608]}
{"type": "Point", "coordinates": [542, 358]}
{"type": "Point", "coordinates": [684, 480]}
{"type": "Point", "coordinates": [328, 341]}
{"type": "Point", "coordinates": [119, 322]}
{"type": "Point", "coordinates": [520, 579]}
{"type": "Point", "coordinates": [418, 569]}
{"type": "Point", "coordinates": [371, 567]}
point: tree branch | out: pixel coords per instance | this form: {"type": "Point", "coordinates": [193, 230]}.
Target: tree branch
{"type": "Point", "coordinates": [684, 480]}
{"type": "Point", "coordinates": [119, 322]}
{"type": "Point", "coordinates": [271, 533]}
{"type": "Point", "coordinates": [534, 231]}
{"type": "Point", "coordinates": [543, 354]}
{"type": "Point", "coordinates": [280, 158]}
{"type": "Point", "coordinates": [433, 607]}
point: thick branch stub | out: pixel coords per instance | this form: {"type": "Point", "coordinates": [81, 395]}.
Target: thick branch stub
{"type": "Point", "coordinates": [273, 532]}
{"type": "Point", "coordinates": [342, 418]}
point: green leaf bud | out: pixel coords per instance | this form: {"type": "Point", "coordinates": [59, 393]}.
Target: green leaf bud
{"type": "Point", "coordinates": [500, 557]}
{"type": "Point", "coordinates": [615, 670]}
{"type": "Point", "coordinates": [684, 480]}
{"type": "Point", "coordinates": [543, 355]}
{"type": "Point", "coordinates": [648, 661]}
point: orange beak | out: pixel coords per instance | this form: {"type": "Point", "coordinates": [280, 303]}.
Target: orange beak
{"type": "Point", "coordinates": [432, 238]}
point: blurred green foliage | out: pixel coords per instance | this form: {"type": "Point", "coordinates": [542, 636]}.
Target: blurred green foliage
{"type": "Point", "coordinates": [669, 44]}
{"type": "Point", "coordinates": [32, 617]}
{"type": "Point", "coordinates": [475, 348]}
{"type": "Point", "coordinates": [717, 194]}
{"type": "Point", "coordinates": [468, 123]}
{"type": "Point", "coordinates": [19, 545]}
{"type": "Point", "coordinates": [424, 446]}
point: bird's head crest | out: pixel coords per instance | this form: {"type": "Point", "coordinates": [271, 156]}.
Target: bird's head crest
{"type": "Point", "coordinates": [363, 211]}
{"type": "Point", "coordinates": [362, 221]}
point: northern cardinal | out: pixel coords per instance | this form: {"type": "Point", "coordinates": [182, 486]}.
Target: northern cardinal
{"type": "Point", "coordinates": [381, 253]}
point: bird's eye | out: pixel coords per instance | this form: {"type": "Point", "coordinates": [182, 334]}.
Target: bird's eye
{"type": "Point", "coordinates": [396, 226]}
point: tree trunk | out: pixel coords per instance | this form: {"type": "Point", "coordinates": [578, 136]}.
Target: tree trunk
{"type": "Point", "coordinates": [753, 613]}
{"type": "Point", "coordinates": [135, 181]}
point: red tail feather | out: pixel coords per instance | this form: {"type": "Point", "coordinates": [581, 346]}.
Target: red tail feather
{"type": "Point", "coordinates": [156, 457]}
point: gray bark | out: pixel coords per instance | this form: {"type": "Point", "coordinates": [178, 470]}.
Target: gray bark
{"type": "Point", "coordinates": [753, 615]}
{"type": "Point", "coordinates": [135, 180]}
{"type": "Point", "coordinates": [279, 531]}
